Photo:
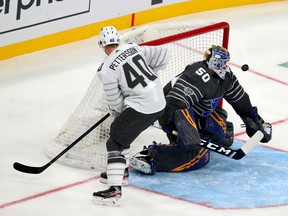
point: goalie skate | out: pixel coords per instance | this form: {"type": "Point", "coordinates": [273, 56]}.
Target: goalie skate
{"type": "Point", "coordinates": [109, 197]}
{"type": "Point", "coordinates": [103, 178]}
{"type": "Point", "coordinates": [142, 164]}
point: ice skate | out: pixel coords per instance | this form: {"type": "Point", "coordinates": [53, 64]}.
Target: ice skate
{"type": "Point", "coordinates": [109, 197]}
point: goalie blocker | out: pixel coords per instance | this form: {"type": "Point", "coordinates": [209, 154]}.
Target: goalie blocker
{"type": "Point", "coordinates": [186, 154]}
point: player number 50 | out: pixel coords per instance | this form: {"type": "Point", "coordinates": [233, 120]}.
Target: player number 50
{"type": "Point", "coordinates": [202, 72]}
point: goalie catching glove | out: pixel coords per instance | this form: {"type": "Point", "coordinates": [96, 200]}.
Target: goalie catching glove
{"type": "Point", "coordinates": [253, 123]}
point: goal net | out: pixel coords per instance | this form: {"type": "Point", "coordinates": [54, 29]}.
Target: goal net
{"type": "Point", "coordinates": [187, 42]}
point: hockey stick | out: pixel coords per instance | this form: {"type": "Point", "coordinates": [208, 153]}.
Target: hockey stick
{"type": "Point", "coordinates": [36, 170]}
{"type": "Point", "coordinates": [235, 154]}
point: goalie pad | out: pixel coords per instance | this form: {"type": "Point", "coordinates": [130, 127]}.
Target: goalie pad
{"type": "Point", "coordinates": [187, 128]}
{"type": "Point", "coordinates": [169, 158]}
{"type": "Point", "coordinates": [216, 129]}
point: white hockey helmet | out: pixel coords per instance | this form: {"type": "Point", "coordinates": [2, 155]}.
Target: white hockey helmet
{"type": "Point", "coordinates": [108, 35]}
{"type": "Point", "coordinates": [217, 58]}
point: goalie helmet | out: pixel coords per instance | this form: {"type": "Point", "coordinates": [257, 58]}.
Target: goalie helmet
{"type": "Point", "coordinates": [108, 35]}
{"type": "Point", "coordinates": [217, 58]}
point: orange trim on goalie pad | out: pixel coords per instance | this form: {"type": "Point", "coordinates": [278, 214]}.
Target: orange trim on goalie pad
{"type": "Point", "coordinates": [203, 153]}
{"type": "Point", "coordinates": [188, 117]}
{"type": "Point", "coordinates": [219, 120]}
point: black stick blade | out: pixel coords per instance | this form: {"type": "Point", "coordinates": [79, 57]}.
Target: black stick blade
{"type": "Point", "coordinates": [28, 169]}
{"type": "Point", "coordinates": [36, 170]}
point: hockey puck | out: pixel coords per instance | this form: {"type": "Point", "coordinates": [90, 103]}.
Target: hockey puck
{"type": "Point", "coordinates": [244, 67]}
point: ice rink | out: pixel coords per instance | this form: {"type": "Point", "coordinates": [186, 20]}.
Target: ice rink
{"type": "Point", "coordinates": [39, 91]}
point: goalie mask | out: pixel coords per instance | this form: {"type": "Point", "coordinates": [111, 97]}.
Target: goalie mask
{"type": "Point", "coordinates": [108, 35]}
{"type": "Point", "coordinates": [217, 58]}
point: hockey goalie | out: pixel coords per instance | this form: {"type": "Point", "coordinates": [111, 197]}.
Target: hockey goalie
{"type": "Point", "coordinates": [192, 110]}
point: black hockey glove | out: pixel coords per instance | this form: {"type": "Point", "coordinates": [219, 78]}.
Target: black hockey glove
{"type": "Point", "coordinates": [168, 129]}
{"type": "Point", "coordinates": [167, 124]}
{"type": "Point", "coordinates": [253, 123]}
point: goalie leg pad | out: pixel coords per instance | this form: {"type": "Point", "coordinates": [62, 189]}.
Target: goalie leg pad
{"type": "Point", "coordinates": [169, 158]}
{"type": "Point", "coordinates": [188, 134]}
{"type": "Point", "coordinates": [214, 128]}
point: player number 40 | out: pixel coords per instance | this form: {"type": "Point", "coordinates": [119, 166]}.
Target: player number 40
{"type": "Point", "coordinates": [134, 74]}
{"type": "Point", "coordinates": [203, 73]}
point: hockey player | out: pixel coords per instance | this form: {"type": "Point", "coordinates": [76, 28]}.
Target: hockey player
{"type": "Point", "coordinates": [135, 98]}
{"type": "Point", "coordinates": [192, 98]}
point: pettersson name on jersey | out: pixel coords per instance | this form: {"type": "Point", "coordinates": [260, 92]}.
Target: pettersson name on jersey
{"type": "Point", "coordinates": [122, 56]}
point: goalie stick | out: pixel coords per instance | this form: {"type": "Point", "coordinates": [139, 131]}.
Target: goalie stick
{"type": "Point", "coordinates": [235, 154]}
{"type": "Point", "coordinates": [36, 170]}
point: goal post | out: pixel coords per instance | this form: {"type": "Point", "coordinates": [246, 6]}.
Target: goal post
{"type": "Point", "coordinates": [222, 26]}
{"type": "Point", "coordinates": [187, 42]}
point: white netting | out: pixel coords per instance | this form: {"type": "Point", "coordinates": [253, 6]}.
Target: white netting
{"type": "Point", "coordinates": [90, 152]}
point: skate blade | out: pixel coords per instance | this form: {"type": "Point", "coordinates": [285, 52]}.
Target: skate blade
{"type": "Point", "coordinates": [124, 182]}
{"type": "Point", "coordinates": [113, 201]}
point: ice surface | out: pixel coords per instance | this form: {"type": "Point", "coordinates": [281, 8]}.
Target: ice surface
{"type": "Point", "coordinates": [39, 91]}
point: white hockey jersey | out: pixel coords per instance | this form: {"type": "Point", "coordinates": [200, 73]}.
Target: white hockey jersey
{"type": "Point", "coordinates": [128, 80]}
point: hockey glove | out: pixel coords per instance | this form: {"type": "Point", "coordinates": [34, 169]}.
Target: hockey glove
{"type": "Point", "coordinates": [113, 113]}
{"type": "Point", "coordinates": [253, 123]}
{"type": "Point", "coordinates": [168, 126]}
{"type": "Point", "coordinates": [168, 129]}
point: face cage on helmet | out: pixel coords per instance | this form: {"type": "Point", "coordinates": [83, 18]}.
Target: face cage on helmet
{"type": "Point", "coordinates": [218, 62]}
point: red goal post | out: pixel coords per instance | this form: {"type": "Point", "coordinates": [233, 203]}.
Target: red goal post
{"type": "Point", "coordinates": [187, 42]}
{"type": "Point", "coordinates": [224, 26]}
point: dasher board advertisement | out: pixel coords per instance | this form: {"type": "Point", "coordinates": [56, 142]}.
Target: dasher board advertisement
{"type": "Point", "coordinates": [22, 20]}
